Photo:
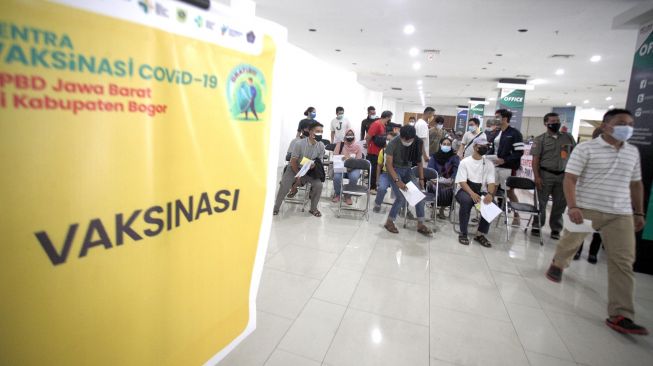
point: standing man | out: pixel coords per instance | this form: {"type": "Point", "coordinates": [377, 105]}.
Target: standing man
{"type": "Point", "coordinates": [509, 148]}
{"type": "Point", "coordinates": [400, 155]}
{"type": "Point", "coordinates": [367, 122]}
{"type": "Point", "coordinates": [339, 126]}
{"type": "Point", "coordinates": [422, 130]}
{"type": "Point", "coordinates": [551, 152]}
{"type": "Point", "coordinates": [492, 129]}
{"type": "Point", "coordinates": [375, 139]}
{"type": "Point", "coordinates": [311, 149]}
{"type": "Point", "coordinates": [436, 134]}
{"type": "Point", "coordinates": [603, 183]}
{"type": "Point", "coordinates": [473, 131]}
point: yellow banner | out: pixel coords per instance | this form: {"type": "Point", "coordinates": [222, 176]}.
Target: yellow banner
{"type": "Point", "coordinates": [134, 163]}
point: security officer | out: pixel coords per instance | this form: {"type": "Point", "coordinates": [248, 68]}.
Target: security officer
{"type": "Point", "coordinates": [550, 153]}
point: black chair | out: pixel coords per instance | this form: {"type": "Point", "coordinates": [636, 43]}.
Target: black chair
{"type": "Point", "coordinates": [533, 210]}
{"type": "Point", "coordinates": [429, 174]}
{"type": "Point", "coordinates": [362, 188]}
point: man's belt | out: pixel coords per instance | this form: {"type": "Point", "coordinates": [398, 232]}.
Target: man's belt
{"type": "Point", "coordinates": [552, 171]}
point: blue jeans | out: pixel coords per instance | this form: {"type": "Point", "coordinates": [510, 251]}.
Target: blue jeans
{"type": "Point", "coordinates": [353, 176]}
{"type": "Point", "coordinates": [466, 204]}
{"type": "Point", "coordinates": [406, 176]}
{"type": "Point", "coordinates": [383, 185]}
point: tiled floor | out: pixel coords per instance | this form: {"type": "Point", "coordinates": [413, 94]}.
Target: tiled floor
{"type": "Point", "coordinates": [343, 291]}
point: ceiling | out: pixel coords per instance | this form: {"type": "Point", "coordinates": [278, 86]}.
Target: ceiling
{"type": "Point", "coordinates": [478, 43]}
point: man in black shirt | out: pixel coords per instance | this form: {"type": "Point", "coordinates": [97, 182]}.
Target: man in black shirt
{"type": "Point", "coordinates": [367, 122]}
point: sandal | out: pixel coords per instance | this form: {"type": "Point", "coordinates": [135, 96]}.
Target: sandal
{"type": "Point", "coordinates": [462, 239]}
{"type": "Point", "coordinates": [390, 226]}
{"type": "Point", "coordinates": [315, 213]}
{"type": "Point", "coordinates": [275, 212]}
{"type": "Point", "coordinates": [483, 241]}
{"type": "Point", "coordinates": [422, 229]}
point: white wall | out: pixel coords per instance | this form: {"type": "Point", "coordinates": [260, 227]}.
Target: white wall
{"type": "Point", "coordinates": [304, 80]}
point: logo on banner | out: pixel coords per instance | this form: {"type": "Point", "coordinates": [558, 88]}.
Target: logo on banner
{"type": "Point", "coordinates": [145, 5]}
{"type": "Point", "coordinates": [245, 91]}
{"type": "Point", "coordinates": [161, 10]}
{"type": "Point", "coordinates": [199, 21]}
{"type": "Point", "coordinates": [181, 15]}
{"type": "Point", "coordinates": [514, 99]}
{"type": "Point", "coordinates": [251, 37]}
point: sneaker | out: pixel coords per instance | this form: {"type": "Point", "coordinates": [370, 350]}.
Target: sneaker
{"type": "Point", "coordinates": [535, 232]}
{"type": "Point", "coordinates": [555, 235]}
{"type": "Point", "coordinates": [335, 199]}
{"type": "Point", "coordinates": [554, 273]}
{"type": "Point", "coordinates": [577, 255]}
{"type": "Point", "coordinates": [373, 192]}
{"type": "Point", "coordinates": [626, 326]}
{"type": "Point", "coordinates": [592, 259]}
{"type": "Point", "coordinates": [376, 209]}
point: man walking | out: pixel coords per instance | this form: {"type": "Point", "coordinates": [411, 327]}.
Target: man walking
{"type": "Point", "coordinates": [376, 139]}
{"type": "Point", "coordinates": [550, 153]}
{"type": "Point", "coordinates": [603, 183]}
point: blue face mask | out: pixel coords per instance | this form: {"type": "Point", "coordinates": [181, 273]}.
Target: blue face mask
{"type": "Point", "coordinates": [312, 115]}
{"type": "Point", "coordinates": [471, 128]}
{"type": "Point", "coordinates": [622, 133]}
{"type": "Point", "coordinates": [445, 148]}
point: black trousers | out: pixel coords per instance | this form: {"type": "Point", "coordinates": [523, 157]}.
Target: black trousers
{"type": "Point", "coordinates": [594, 246]}
{"type": "Point", "coordinates": [373, 159]}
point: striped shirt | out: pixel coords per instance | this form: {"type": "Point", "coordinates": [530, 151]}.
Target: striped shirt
{"type": "Point", "coordinates": [604, 175]}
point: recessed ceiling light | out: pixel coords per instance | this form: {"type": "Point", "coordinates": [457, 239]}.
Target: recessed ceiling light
{"type": "Point", "coordinates": [493, 98]}
{"type": "Point", "coordinates": [354, 63]}
{"type": "Point", "coordinates": [409, 29]}
{"type": "Point", "coordinates": [568, 103]}
{"type": "Point", "coordinates": [595, 58]}
{"type": "Point", "coordinates": [417, 66]}
{"type": "Point", "coordinates": [560, 72]}
{"type": "Point", "coordinates": [586, 101]}
{"type": "Point", "coordinates": [523, 30]}
{"type": "Point", "coordinates": [608, 98]}
{"type": "Point", "coordinates": [611, 107]}
{"type": "Point", "coordinates": [414, 51]}
{"type": "Point", "coordinates": [483, 68]}
{"type": "Point", "coordinates": [498, 55]}
{"type": "Point", "coordinates": [537, 81]}
{"type": "Point", "coordinates": [419, 82]}
{"type": "Point", "coordinates": [312, 30]}
{"type": "Point", "coordinates": [338, 50]}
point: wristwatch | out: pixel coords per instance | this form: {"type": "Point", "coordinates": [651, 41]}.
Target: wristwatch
{"type": "Point", "coordinates": [396, 180]}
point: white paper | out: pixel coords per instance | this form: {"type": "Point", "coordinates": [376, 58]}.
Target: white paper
{"type": "Point", "coordinates": [489, 211]}
{"type": "Point", "coordinates": [302, 172]}
{"type": "Point", "coordinates": [413, 195]}
{"type": "Point", "coordinates": [338, 164]}
{"type": "Point", "coordinates": [585, 227]}
{"type": "Point", "coordinates": [491, 158]}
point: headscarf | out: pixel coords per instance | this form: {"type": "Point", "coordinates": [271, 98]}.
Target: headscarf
{"type": "Point", "coordinates": [443, 157]}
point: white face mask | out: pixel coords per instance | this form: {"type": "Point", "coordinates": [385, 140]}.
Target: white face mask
{"type": "Point", "coordinates": [440, 127]}
{"type": "Point", "coordinates": [407, 143]}
{"type": "Point", "coordinates": [622, 133]}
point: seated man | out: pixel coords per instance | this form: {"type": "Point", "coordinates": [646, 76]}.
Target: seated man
{"type": "Point", "coordinates": [310, 149]}
{"type": "Point", "coordinates": [382, 179]}
{"type": "Point", "coordinates": [400, 155]}
{"type": "Point", "coordinates": [304, 134]}
{"type": "Point", "coordinates": [349, 150]}
{"type": "Point", "coordinates": [474, 172]}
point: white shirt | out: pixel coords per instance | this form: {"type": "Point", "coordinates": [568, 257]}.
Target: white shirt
{"type": "Point", "coordinates": [468, 137]}
{"type": "Point", "coordinates": [477, 171]}
{"type": "Point", "coordinates": [604, 175]}
{"type": "Point", "coordinates": [422, 129]}
{"type": "Point", "coordinates": [496, 141]}
{"type": "Point", "coordinates": [340, 127]}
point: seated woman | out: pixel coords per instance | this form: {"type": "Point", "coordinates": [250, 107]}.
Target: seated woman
{"type": "Point", "coordinates": [474, 173]}
{"type": "Point", "coordinates": [445, 162]}
{"type": "Point", "coordinates": [349, 150]}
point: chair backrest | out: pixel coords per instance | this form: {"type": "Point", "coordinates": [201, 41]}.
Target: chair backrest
{"type": "Point", "coordinates": [520, 183]}
{"type": "Point", "coordinates": [428, 173]}
{"type": "Point", "coordinates": [358, 164]}
{"type": "Point", "coordinates": [330, 147]}
{"type": "Point", "coordinates": [288, 156]}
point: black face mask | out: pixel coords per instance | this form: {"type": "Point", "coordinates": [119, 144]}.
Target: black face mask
{"type": "Point", "coordinates": [306, 133]}
{"type": "Point", "coordinates": [318, 137]}
{"type": "Point", "coordinates": [554, 127]}
{"type": "Point", "coordinates": [349, 138]}
{"type": "Point", "coordinates": [482, 150]}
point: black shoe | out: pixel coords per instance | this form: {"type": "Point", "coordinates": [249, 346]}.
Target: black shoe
{"type": "Point", "coordinates": [535, 232]}
{"type": "Point", "coordinates": [555, 235]}
{"type": "Point", "coordinates": [592, 259]}
{"type": "Point", "coordinates": [577, 256]}
{"type": "Point", "coordinates": [626, 326]}
{"type": "Point", "coordinates": [554, 273]}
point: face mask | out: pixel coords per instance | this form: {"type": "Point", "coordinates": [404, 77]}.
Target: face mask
{"type": "Point", "coordinates": [350, 138]}
{"type": "Point", "coordinates": [440, 127]}
{"type": "Point", "coordinates": [411, 123]}
{"type": "Point", "coordinates": [622, 133]}
{"type": "Point", "coordinates": [306, 133]}
{"type": "Point", "coordinates": [554, 127]}
{"type": "Point", "coordinates": [373, 116]}
{"type": "Point", "coordinates": [312, 115]}
{"type": "Point", "coordinates": [482, 150]}
{"type": "Point", "coordinates": [340, 116]}
{"type": "Point", "coordinates": [471, 128]}
{"type": "Point", "coordinates": [489, 128]}
{"type": "Point", "coordinates": [318, 137]}
{"type": "Point", "coordinates": [445, 148]}
{"type": "Point", "coordinates": [407, 143]}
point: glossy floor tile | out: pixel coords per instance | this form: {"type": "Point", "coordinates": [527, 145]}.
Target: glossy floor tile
{"type": "Point", "coordinates": [343, 291]}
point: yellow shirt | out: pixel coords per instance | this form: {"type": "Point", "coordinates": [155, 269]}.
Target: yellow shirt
{"type": "Point", "coordinates": [381, 160]}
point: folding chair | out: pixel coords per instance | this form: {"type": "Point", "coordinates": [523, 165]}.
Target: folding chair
{"type": "Point", "coordinates": [453, 215]}
{"type": "Point", "coordinates": [356, 189]}
{"type": "Point", "coordinates": [429, 174]}
{"type": "Point", "coordinates": [533, 210]}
